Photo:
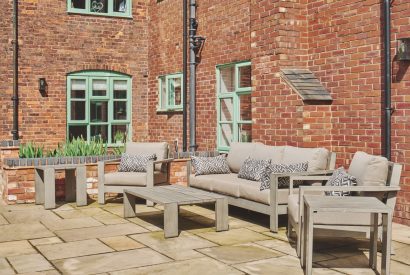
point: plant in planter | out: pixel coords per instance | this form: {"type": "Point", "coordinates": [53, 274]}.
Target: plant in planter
{"type": "Point", "coordinates": [120, 139]}
{"type": "Point", "coordinates": [30, 150]}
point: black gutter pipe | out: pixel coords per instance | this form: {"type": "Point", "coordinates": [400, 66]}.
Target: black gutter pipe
{"type": "Point", "coordinates": [387, 79]}
{"type": "Point", "coordinates": [184, 76]}
{"type": "Point", "coordinates": [193, 25]}
{"type": "Point", "coordinates": [15, 98]}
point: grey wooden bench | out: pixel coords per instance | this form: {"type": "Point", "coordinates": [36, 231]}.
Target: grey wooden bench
{"type": "Point", "coordinates": [171, 197]}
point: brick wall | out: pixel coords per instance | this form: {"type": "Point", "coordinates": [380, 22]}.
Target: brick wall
{"type": "Point", "coordinates": [54, 43]}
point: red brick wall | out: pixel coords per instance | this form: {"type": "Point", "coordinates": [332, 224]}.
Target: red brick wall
{"type": "Point", "coordinates": [54, 43]}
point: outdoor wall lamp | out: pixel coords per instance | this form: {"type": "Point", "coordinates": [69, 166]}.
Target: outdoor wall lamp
{"type": "Point", "coordinates": [42, 86]}
{"type": "Point", "coordinates": [403, 49]}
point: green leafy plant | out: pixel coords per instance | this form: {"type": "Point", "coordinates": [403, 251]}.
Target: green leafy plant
{"type": "Point", "coordinates": [30, 150]}
{"type": "Point", "coordinates": [119, 137]}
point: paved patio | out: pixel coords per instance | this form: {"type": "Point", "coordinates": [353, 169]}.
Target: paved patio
{"type": "Point", "coordinates": [94, 239]}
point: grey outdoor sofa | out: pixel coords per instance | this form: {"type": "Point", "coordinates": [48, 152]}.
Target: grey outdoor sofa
{"type": "Point", "coordinates": [158, 172]}
{"type": "Point", "coordinates": [246, 194]}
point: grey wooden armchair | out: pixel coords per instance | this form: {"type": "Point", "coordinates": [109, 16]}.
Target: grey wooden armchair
{"type": "Point", "coordinates": [158, 171]}
{"type": "Point", "coordinates": [356, 225]}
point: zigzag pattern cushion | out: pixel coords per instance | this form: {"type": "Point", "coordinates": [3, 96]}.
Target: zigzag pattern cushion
{"type": "Point", "coordinates": [210, 165]}
{"type": "Point", "coordinates": [283, 182]}
{"type": "Point", "coordinates": [340, 178]}
{"type": "Point", "coordinates": [135, 163]}
{"type": "Point", "coordinates": [253, 169]}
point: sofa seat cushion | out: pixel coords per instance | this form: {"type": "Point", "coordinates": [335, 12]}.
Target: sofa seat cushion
{"type": "Point", "coordinates": [316, 157]}
{"type": "Point", "coordinates": [346, 219]}
{"type": "Point", "coordinates": [226, 184]}
{"type": "Point", "coordinates": [132, 178]}
{"type": "Point", "coordinates": [251, 191]}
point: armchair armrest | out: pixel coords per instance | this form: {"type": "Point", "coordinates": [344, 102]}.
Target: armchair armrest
{"type": "Point", "coordinates": [163, 161]}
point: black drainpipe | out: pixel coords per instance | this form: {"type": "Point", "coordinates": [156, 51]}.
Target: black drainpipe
{"type": "Point", "coordinates": [387, 79]}
{"type": "Point", "coordinates": [184, 76]}
{"type": "Point", "coordinates": [193, 25]}
{"type": "Point", "coordinates": [15, 98]}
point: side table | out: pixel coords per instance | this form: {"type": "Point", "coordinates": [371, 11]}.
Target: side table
{"type": "Point", "coordinates": [314, 205]}
{"type": "Point", "coordinates": [75, 184]}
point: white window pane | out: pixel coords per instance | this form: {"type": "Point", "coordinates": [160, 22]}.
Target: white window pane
{"type": "Point", "coordinates": [227, 79]}
{"type": "Point", "coordinates": [226, 109]}
{"type": "Point", "coordinates": [99, 87]}
{"type": "Point", "coordinates": [120, 85]}
{"type": "Point", "coordinates": [175, 92]}
{"type": "Point", "coordinates": [120, 6]}
{"type": "Point", "coordinates": [245, 77]}
{"type": "Point", "coordinates": [100, 6]}
{"type": "Point", "coordinates": [226, 134]}
{"type": "Point", "coordinates": [245, 104]}
{"type": "Point", "coordinates": [78, 84]}
{"type": "Point", "coordinates": [78, 4]}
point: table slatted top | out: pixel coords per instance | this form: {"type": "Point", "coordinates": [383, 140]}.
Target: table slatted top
{"type": "Point", "coordinates": [173, 194]}
{"type": "Point", "coordinates": [350, 204]}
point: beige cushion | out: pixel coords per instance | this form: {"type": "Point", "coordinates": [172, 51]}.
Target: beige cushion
{"type": "Point", "coordinates": [264, 152]}
{"type": "Point", "coordinates": [369, 170]}
{"type": "Point", "coordinates": [238, 153]}
{"type": "Point", "coordinates": [250, 190]}
{"type": "Point", "coordinates": [352, 219]}
{"type": "Point", "coordinates": [316, 157]}
{"type": "Point", "coordinates": [132, 178]}
{"type": "Point", "coordinates": [226, 184]}
{"type": "Point", "coordinates": [160, 149]}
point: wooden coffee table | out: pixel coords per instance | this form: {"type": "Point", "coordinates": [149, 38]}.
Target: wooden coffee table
{"type": "Point", "coordinates": [171, 197]}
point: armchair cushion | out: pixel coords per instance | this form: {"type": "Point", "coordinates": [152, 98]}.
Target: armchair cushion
{"type": "Point", "coordinates": [253, 169]}
{"type": "Point", "coordinates": [369, 170]}
{"type": "Point", "coordinates": [135, 163]}
{"type": "Point", "coordinates": [340, 178]}
{"type": "Point", "coordinates": [160, 149]}
{"type": "Point", "coordinates": [210, 165]}
{"type": "Point", "coordinates": [132, 178]}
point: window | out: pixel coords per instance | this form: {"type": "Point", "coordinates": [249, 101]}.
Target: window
{"type": "Point", "coordinates": [170, 92]}
{"type": "Point", "coordinates": [98, 105]}
{"type": "Point", "coordinates": [234, 104]}
{"type": "Point", "coordinates": [121, 8]}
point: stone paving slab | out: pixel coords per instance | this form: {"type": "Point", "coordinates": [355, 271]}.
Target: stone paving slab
{"type": "Point", "coordinates": [3, 220]}
{"type": "Point", "coordinates": [31, 216]}
{"type": "Point", "coordinates": [109, 218]}
{"type": "Point", "coordinates": [8, 249]}
{"type": "Point", "coordinates": [179, 248]}
{"type": "Point", "coordinates": [29, 263]}
{"type": "Point", "coordinates": [47, 272]}
{"type": "Point", "coordinates": [121, 243]}
{"type": "Point", "coordinates": [73, 249]}
{"type": "Point", "coordinates": [71, 223]}
{"type": "Point", "coordinates": [15, 232]}
{"type": "Point", "coordinates": [99, 232]}
{"type": "Point", "coordinates": [5, 268]}
{"type": "Point", "coordinates": [110, 261]}
{"type": "Point", "coordinates": [154, 222]}
{"type": "Point", "coordinates": [203, 266]}
{"type": "Point", "coordinates": [52, 240]}
{"type": "Point", "coordinates": [239, 253]}
{"type": "Point", "coordinates": [234, 236]}
{"type": "Point", "coordinates": [401, 233]}
{"type": "Point", "coordinates": [78, 213]}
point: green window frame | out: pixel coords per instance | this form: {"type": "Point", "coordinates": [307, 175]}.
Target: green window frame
{"type": "Point", "coordinates": [234, 108]}
{"type": "Point", "coordinates": [170, 92]}
{"type": "Point", "coordinates": [116, 8]}
{"type": "Point", "coordinates": [98, 104]}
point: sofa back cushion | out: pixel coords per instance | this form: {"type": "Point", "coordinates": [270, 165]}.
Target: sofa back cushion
{"type": "Point", "coordinates": [160, 149]}
{"type": "Point", "coordinates": [369, 170]}
{"type": "Point", "coordinates": [316, 157]}
{"type": "Point", "coordinates": [239, 152]}
{"type": "Point", "coordinates": [266, 152]}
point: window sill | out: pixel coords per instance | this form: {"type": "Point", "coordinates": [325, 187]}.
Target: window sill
{"type": "Point", "coordinates": [100, 14]}
{"type": "Point", "coordinates": [165, 111]}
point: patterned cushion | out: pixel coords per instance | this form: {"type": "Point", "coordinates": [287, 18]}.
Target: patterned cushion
{"type": "Point", "coordinates": [135, 163]}
{"type": "Point", "coordinates": [210, 165]}
{"type": "Point", "coordinates": [340, 178]}
{"type": "Point", "coordinates": [283, 182]}
{"type": "Point", "coordinates": [253, 169]}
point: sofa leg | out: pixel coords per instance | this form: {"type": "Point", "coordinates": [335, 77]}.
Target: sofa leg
{"type": "Point", "coordinates": [274, 223]}
{"type": "Point", "coordinates": [101, 195]}
{"type": "Point", "coordinates": [289, 229]}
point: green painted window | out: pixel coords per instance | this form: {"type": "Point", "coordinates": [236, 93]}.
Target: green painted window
{"type": "Point", "coordinates": [98, 105]}
{"type": "Point", "coordinates": [170, 92]}
{"type": "Point", "coordinates": [234, 105]}
{"type": "Point", "coordinates": [120, 8]}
